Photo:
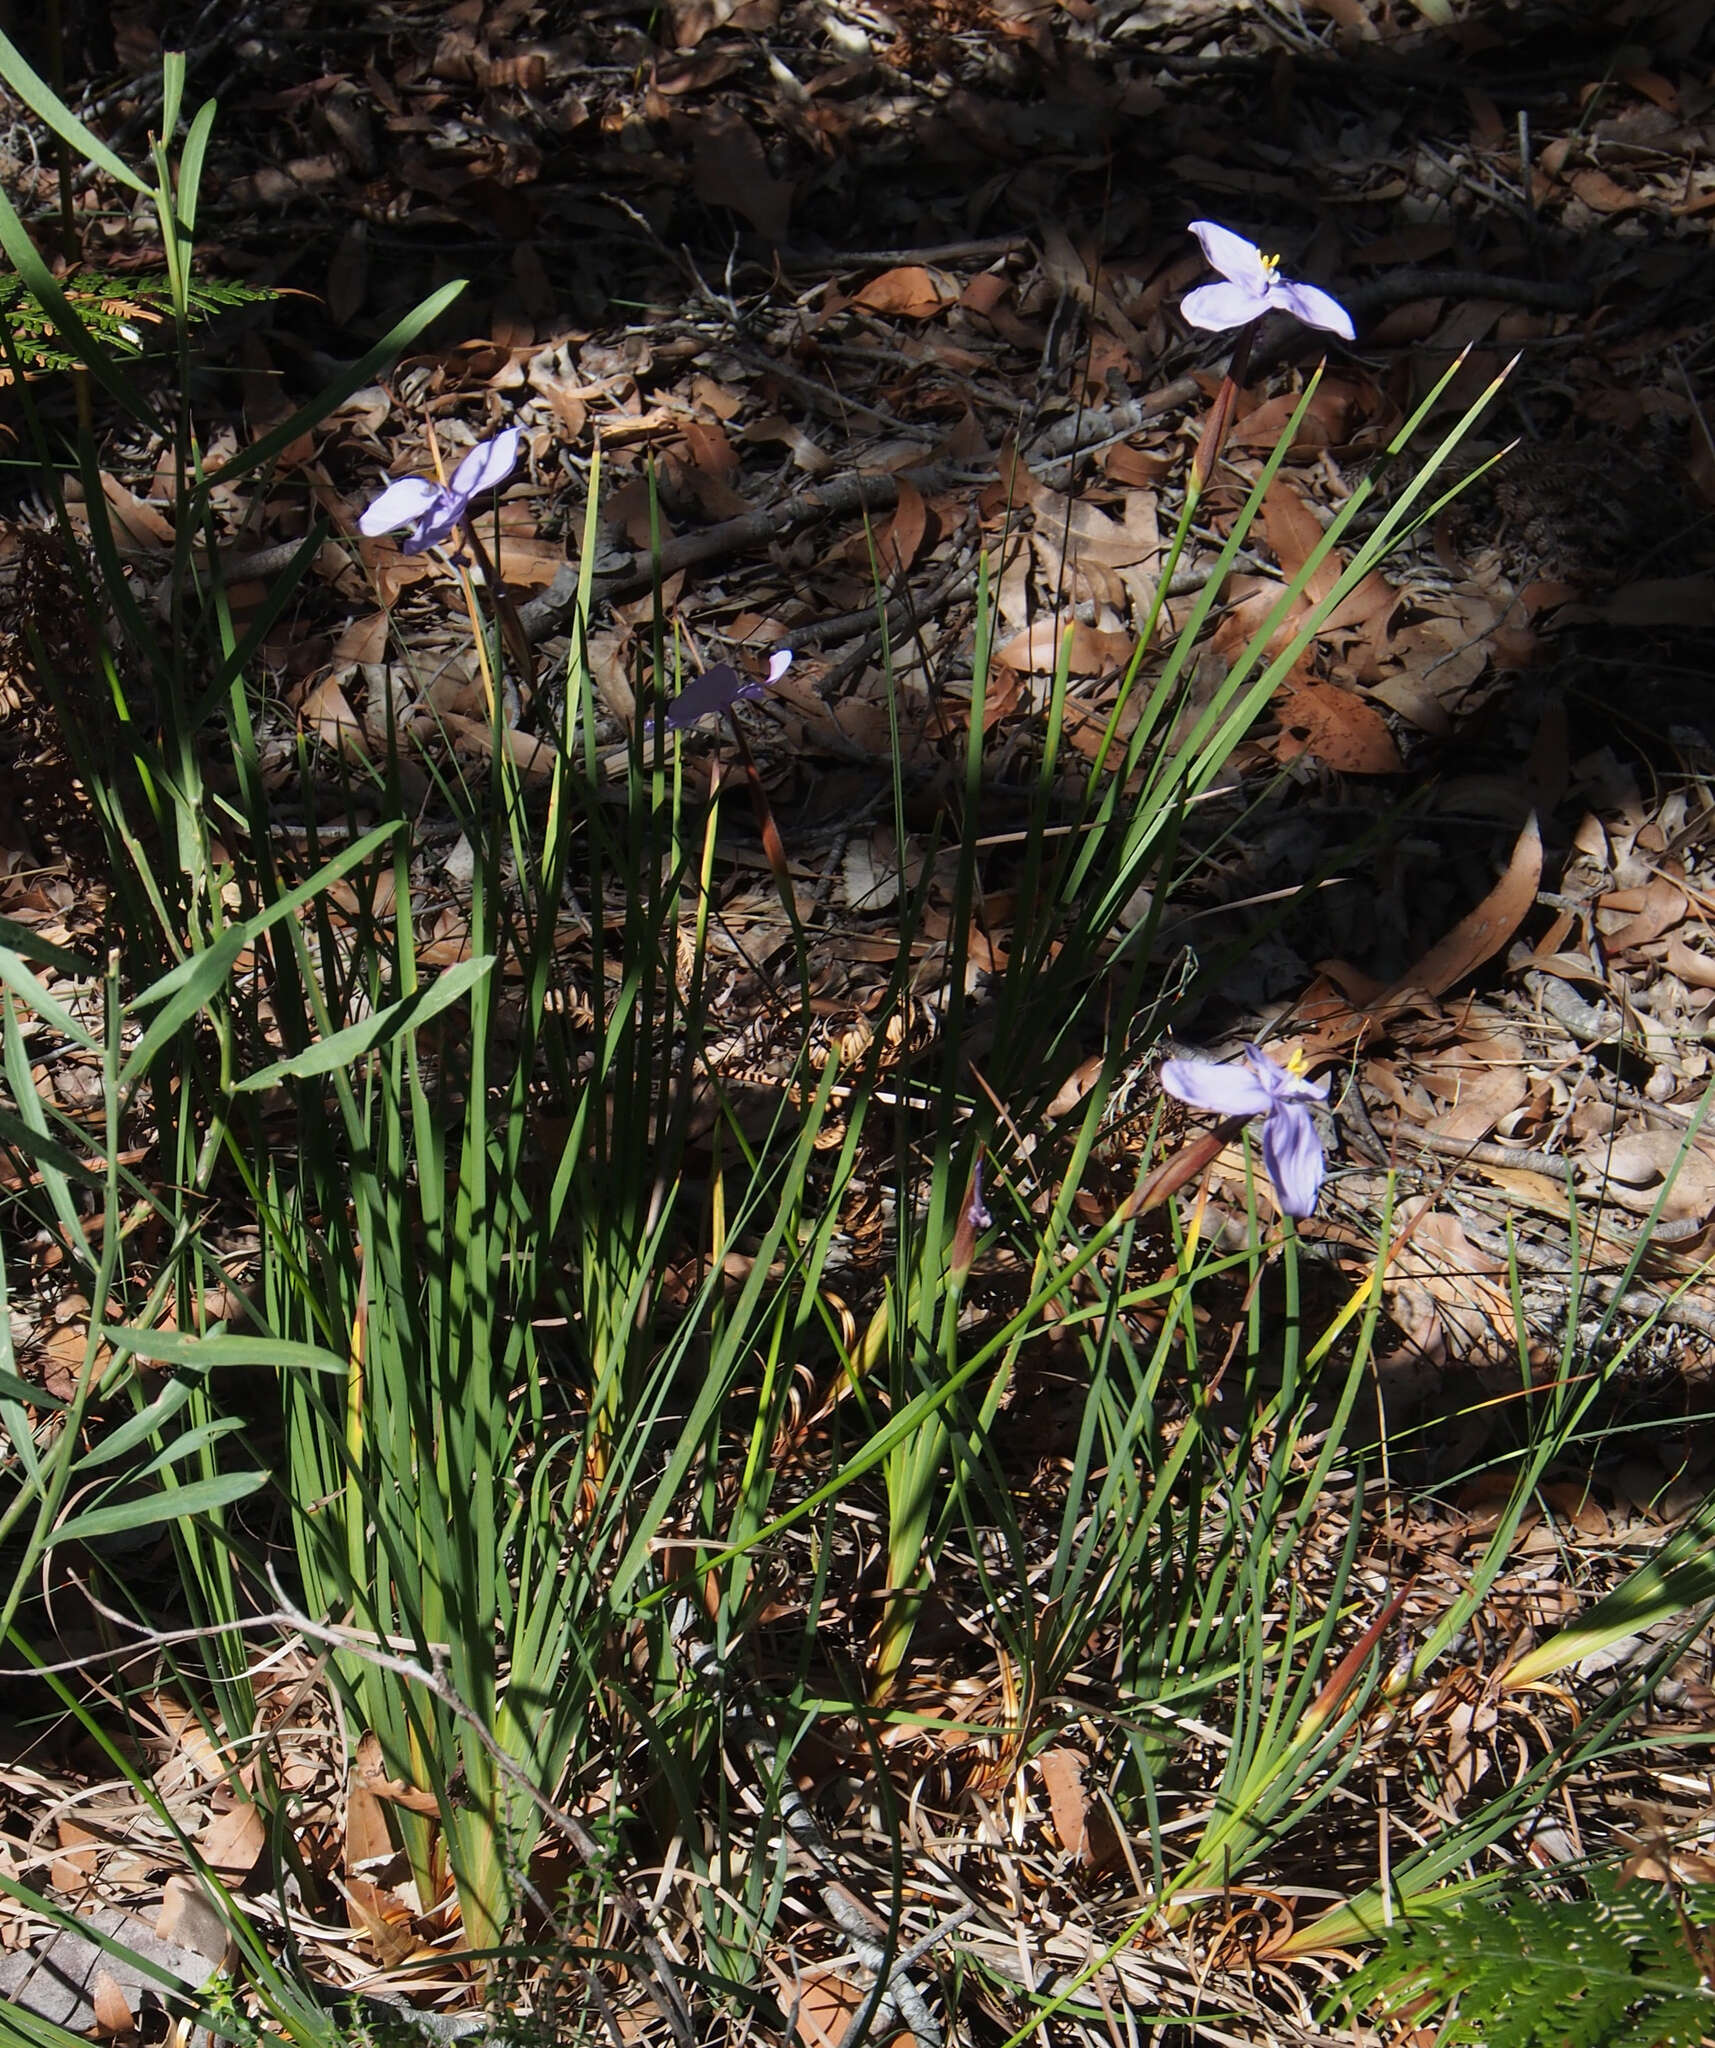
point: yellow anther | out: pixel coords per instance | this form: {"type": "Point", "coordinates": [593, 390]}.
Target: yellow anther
{"type": "Point", "coordinates": [1295, 1060]}
{"type": "Point", "coordinates": [1270, 265]}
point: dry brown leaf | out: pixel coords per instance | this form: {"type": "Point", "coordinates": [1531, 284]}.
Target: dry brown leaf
{"type": "Point", "coordinates": [326, 712]}
{"type": "Point", "coordinates": [822, 2008]}
{"type": "Point", "coordinates": [1696, 969]}
{"type": "Point", "coordinates": [233, 1841]}
{"type": "Point", "coordinates": [1351, 17]}
{"type": "Point", "coordinates": [187, 1918]}
{"type": "Point", "coordinates": [732, 170]}
{"type": "Point", "coordinates": [1035, 651]}
{"type": "Point", "coordinates": [1295, 533]}
{"type": "Point", "coordinates": [683, 74]}
{"type": "Point", "coordinates": [901, 539]}
{"type": "Point", "coordinates": [372, 1768]}
{"type": "Point", "coordinates": [348, 275]}
{"type": "Point", "coordinates": [1332, 725]}
{"type": "Point", "coordinates": [1603, 194]}
{"type": "Point", "coordinates": [1063, 1780]}
{"type": "Point", "coordinates": [777, 427]}
{"type": "Point", "coordinates": [72, 1869]}
{"type": "Point", "coordinates": [1251, 600]}
{"type": "Point", "coordinates": [1124, 464]}
{"type": "Point", "coordinates": [145, 525]}
{"type": "Point", "coordinates": [609, 659]}
{"type": "Point", "coordinates": [1081, 1823]}
{"type": "Point", "coordinates": [384, 1917]}
{"type": "Point", "coordinates": [912, 291]}
{"type": "Point", "coordinates": [693, 19]}
{"type": "Point", "coordinates": [1633, 1168]}
{"type": "Point", "coordinates": [562, 393]}
{"type": "Point", "coordinates": [710, 448]}
{"type": "Point", "coordinates": [364, 639]}
{"type": "Point", "coordinates": [1080, 278]}
{"type": "Point", "coordinates": [1659, 908]}
{"type": "Point", "coordinates": [113, 2014]}
{"type": "Point", "coordinates": [1486, 930]}
{"type": "Point", "coordinates": [532, 562]}
{"type": "Point", "coordinates": [1484, 1095]}
{"type": "Point", "coordinates": [1450, 1298]}
{"type": "Point", "coordinates": [366, 1838]}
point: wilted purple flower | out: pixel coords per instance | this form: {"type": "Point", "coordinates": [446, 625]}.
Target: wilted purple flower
{"type": "Point", "coordinates": [1253, 287]}
{"type": "Point", "coordinates": [976, 1210]}
{"type": "Point", "coordinates": [434, 512]}
{"type": "Point", "coordinates": [721, 687]}
{"type": "Point", "coordinates": [1291, 1150]}
{"type": "Point", "coordinates": [974, 1219]}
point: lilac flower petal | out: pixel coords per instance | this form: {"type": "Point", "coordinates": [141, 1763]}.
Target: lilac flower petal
{"type": "Point", "coordinates": [1315, 308]}
{"type": "Point", "coordinates": [1218, 307]}
{"type": "Point", "coordinates": [401, 504]}
{"type": "Point", "coordinates": [1236, 259]}
{"type": "Point", "coordinates": [1228, 1091]}
{"type": "Point", "coordinates": [1282, 1084]}
{"type": "Point", "coordinates": [1292, 1153]}
{"type": "Point", "coordinates": [488, 463]}
{"type": "Point", "coordinates": [433, 529]}
{"type": "Point", "coordinates": [778, 663]}
{"type": "Point", "coordinates": [716, 689]}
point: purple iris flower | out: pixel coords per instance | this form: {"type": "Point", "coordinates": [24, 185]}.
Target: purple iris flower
{"type": "Point", "coordinates": [1291, 1150]}
{"type": "Point", "coordinates": [1253, 287]}
{"type": "Point", "coordinates": [435, 512]}
{"type": "Point", "coordinates": [720, 688]}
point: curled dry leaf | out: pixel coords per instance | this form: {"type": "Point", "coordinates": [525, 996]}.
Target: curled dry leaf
{"type": "Point", "coordinates": [372, 1768]}
{"type": "Point", "coordinates": [1486, 930]}
{"type": "Point", "coordinates": [113, 2014]}
{"type": "Point", "coordinates": [1633, 1169]}
{"type": "Point", "coordinates": [901, 540]}
{"type": "Point", "coordinates": [912, 291]}
{"type": "Point", "coordinates": [1081, 1823]}
{"type": "Point", "coordinates": [1654, 910]}
{"type": "Point", "coordinates": [1094, 653]}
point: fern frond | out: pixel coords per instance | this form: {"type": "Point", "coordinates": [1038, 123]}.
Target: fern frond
{"type": "Point", "coordinates": [1625, 1967]}
{"type": "Point", "coordinates": [116, 309]}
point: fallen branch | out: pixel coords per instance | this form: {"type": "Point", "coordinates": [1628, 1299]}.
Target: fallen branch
{"type": "Point", "coordinates": [628, 574]}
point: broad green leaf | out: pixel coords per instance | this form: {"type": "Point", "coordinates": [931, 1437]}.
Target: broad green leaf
{"type": "Point", "coordinates": [141, 1426]}
{"type": "Point", "coordinates": [347, 1046]}
{"type": "Point", "coordinates": [189, 1442]}
{"type": "Point", "coordinates": [220, 1350]}
{"type": "Point", "coordinates": [191, 159]}
{"type": "Point", "coordinates": [1654, 1593]}
{"type": "Point", "coordinates": [14, 1389]}
{"type": "Point", "coordinates": [31, 992]}
{"type": "Point", "coordinates": [184, 990]}
{"type": "Point", "coordinates": [34, 947]}
{"type": "Point", "coordinates": [153, 1508]}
